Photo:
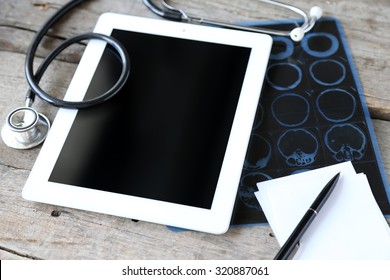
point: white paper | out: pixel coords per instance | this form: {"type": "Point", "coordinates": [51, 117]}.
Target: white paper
{"type": "Point", "coordinates": [349, 226]}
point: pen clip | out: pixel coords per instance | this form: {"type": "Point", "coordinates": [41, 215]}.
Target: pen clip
{"type": "Point", "coordinates": [291, 256]}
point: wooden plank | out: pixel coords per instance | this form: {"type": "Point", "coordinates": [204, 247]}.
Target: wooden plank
{"type": "Point", "coordinates": [14, 87]}
{"type": "Point", "coordinates": [51, 232]}
{"type": "Point", "coordinates": [4, 255]}
{"type": "Point", "coordinates": [382, 132]}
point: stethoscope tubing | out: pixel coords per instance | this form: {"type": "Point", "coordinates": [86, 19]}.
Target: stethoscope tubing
{"type": "Point", "coordinates": [34, 79]}
{"type": "Point", "coordinates": [171, 13]}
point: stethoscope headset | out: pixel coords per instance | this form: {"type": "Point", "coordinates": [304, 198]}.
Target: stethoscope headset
{"type": "Point", "coordinates": [25, 128]}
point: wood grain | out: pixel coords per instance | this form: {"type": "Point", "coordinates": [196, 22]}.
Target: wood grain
{"type": "Point", "coordinates": [39, 231]}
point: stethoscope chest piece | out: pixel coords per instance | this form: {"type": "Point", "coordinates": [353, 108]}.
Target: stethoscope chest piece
{"type": "Point", "coordinates": [25, 128]}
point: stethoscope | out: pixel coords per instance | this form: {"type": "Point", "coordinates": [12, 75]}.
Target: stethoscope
{"type": "Point", "coordinates": [169, 12]}
{"type": "Point", "coordinates": [25, 128]}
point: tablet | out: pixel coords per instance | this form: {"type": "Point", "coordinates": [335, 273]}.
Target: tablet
{"type": "Point", "coordinates": [169, 147]}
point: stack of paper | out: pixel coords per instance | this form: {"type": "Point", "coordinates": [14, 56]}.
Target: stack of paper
{"type": "Point", "coordinates": [349, 226]}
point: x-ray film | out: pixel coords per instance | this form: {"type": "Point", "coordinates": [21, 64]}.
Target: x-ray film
{"type": "Point", "coordinates": [312, 113]}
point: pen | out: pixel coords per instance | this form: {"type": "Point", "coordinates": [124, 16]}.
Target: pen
{"type": "Point", "coordinates": [293, 241]}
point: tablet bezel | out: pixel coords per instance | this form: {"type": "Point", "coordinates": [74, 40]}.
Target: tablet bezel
{"type": "Point", "coordinates": [215, 220]}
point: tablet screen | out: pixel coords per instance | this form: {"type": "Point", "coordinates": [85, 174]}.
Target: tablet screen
{"type": "Point", "coordinates": [164, 135]}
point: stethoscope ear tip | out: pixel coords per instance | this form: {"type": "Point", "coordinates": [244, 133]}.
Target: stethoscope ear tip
{"type": "Point", "coordinates": [25, 128]}
{"type": "Point", "coordinates": [297, 34]}
{"type": "Point", "coordinates": [316, 12]}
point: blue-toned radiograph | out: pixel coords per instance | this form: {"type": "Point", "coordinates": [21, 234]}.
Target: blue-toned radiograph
{"type": "Point", "coordinates": [259, 153]}
{"type": "Point", "coordinates": [345, 142]}
{"type": "Point", "coordinates": [248, 187]}
{"type": "Point", "coordinates": [311, 114]}
{"type": "Point", "coordinates": [327, 72]}
{"type": "Point", "coordinates": [336, 105]}
{"type": "Point", "coordinates": [259, 117]}
{"type": "Point", "coordinates": [315, 44]}
{"type": "Point", "coordinates": [284, 76]}
{"type": "Point", "coordinates": [299, 147]}
{"type": "Point", "coordinates": [288, 46]}
{"type": "Point", "coordinates": [290, 109]}
{"type": "Point", "coordinates": [297, 171]}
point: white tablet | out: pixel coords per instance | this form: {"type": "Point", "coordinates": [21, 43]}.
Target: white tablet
{"type": "Point", "coordinates": [170, 147]}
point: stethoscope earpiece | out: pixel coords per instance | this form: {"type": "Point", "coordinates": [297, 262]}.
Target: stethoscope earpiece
{"type": "Point", "coordinates": [25, 128]}
{"type": "Point", "coordinates": [315, 12]}
{"type": "Point", "coordinates": [297, 34]}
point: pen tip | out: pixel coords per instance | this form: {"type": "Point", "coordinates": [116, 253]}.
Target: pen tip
{"type": "Point", "coordinates": [335, 177]}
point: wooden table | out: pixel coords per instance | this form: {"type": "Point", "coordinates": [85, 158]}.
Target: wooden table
{"type": "Point", "coordinates": [31, 230]}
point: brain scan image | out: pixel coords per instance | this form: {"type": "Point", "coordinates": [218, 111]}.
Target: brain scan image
{"type": "Point", "coordinates": [259, 153]}
{"type": "Point", "coordinates": [327, 72]}
{"type": "Point", "coordinates": [298, 147]}
{"type": "Point", "coordinates": [345, 142]}
{"type": "Point", "coordinates": [336, 105]}
{"type": "Point", "coordinates": [248, 188]}
{"type": "Point", "coordinates": [284, 76]}
{"type": "Point", "coordinates": [290, 109]}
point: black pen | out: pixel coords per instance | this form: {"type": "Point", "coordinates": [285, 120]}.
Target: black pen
{"type": "Point", "coordinates": [293, 241]}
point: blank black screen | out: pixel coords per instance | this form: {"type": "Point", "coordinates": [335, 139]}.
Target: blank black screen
{"type": "Point", "coordinates": [164, 135]}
